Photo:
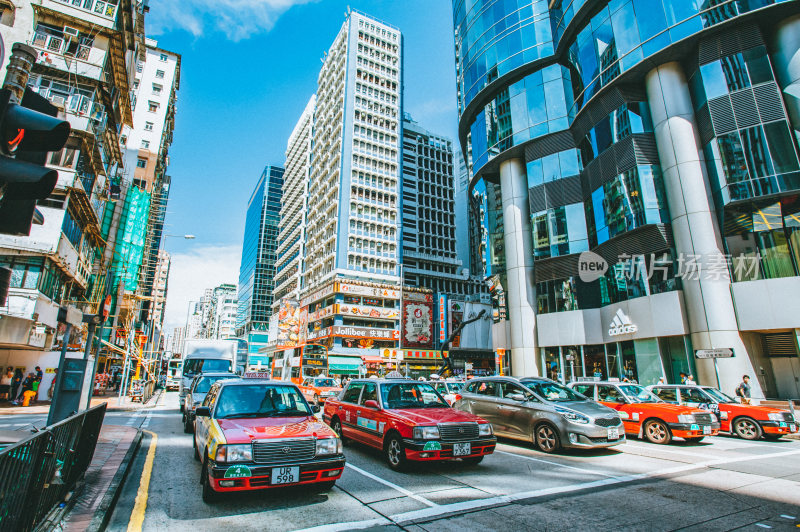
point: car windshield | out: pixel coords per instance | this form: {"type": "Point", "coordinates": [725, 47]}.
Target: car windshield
{"type": "Point", "coordinates": [718, 395]}
{"type": "Point", "coordinates": [411, 395]}
{"type": "Point", "coordinates": [204, 383]}
{"type": "Point", "coordinates": [552, 391]}
{"type": "Point", "coordinates": [194, 366]}
{"type": "Point", "coordinates": [638, 394]}
{"type": "Point", "coordinates": [455, 386]}
{"type": "Point", "coordinates": [324, 383]}
{"type": "Point", "coordinates": [260, 400]}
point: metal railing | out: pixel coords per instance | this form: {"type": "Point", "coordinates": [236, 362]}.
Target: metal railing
{"type": "Point", "coordinates": [37, 473]}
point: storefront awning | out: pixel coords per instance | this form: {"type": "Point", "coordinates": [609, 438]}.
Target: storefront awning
{"type": "Point", "coordinates": [342, 365]}
{"type": "Point", "coordinates": [471, 354]}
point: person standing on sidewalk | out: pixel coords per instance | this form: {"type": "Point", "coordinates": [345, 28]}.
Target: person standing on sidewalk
{"type": "Point", "coordinates": [743, 390]}
{"type": "Point", "coordinates": [5, 384]}
{"type": "Point", "coordinates": [16, 385]}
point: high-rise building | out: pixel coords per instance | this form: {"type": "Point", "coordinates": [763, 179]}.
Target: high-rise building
{"type": "Point", "coordinates": [223, 313]}
{"type": "Point", "coordinates": [290, 253]}
{"type": "Point", "coordinates": [84, 64]}
{"type": "Point", "coordinates": [430, 255]}
{"type": "Point", "coordinates": [160, 287]}
{"type": "Point", "coordinates": [257, 269]}
{"type": "Point", "coordinates": [353, 226]}
{"type": "Point", "coordinates": [661, 136]}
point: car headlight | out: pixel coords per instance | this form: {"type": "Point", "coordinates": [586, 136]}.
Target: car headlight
{"type": "Point", "coordinates": [485, 429]}
{"type": "Point", "coordinates": [326, 446]}
{"type": "Point", "coordinates": [426, 433]}
{"type": "Point", "coordinates": [723, 414]}
{"type": "Point", "coordinates": [572, 417]}
{"type": "Point", "coordinates": [235, 453]}
{"type": "Point", "coordinates": [775, 416]}
{"type": "Point", "coordinates": [686, 418]}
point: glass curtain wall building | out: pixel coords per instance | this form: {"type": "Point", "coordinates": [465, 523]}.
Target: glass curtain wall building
{"type": "Point", "coordinates": [257, 269]}
{"type": "Point", "coordinates": [640, 159]}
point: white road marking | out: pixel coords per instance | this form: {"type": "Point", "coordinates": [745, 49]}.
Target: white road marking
{"type": "Point", "coordinates": [590, 471]}
{"type": "Point", "coordinates": [146, 421]}
{"type": "Point", "coordinates": [788, 516]}
{"type": "Point", "coordinates": [354, 525]}
{"type": "Point", "coordinates": [440, 511]}
{"type": "Point", "coordinates": [667, 451]}
{"type": "Point", "coordinates": [401, 489]}
{"type": "Point", "coordinates": [762, 525]}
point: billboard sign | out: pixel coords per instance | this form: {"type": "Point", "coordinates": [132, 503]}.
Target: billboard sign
{"type": "Point", "coordinates": [442, 317]}
{"type": "Point", "coordinates": [288, 323]}
{"type": "Point", "coordinates": [417, 325]}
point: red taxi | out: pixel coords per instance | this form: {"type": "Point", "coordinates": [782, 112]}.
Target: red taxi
{"type": "Point", "coordinates": [255, 434]}
{"type": "Point", "coordinates": [409, 421]}
{"type": "Point", "coordinates": [317, 390]}
{"type": "Point", "coordinates": [750, 422]}
{"type": "Point", "coordinates": [644, 414]}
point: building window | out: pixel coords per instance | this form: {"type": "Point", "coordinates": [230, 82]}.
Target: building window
{"type": "Point", "coordinates": [163, 57]}
{"type": "Point", "coordinates": [157, 88]}
{"type": "Point", "coordinates": [123, 140]}
{"type": "Point", "coordinates": [152, 107]}
{"type": "Point", "coordinates": [141, 163]}
{"type": "Point", "coordinates": [148, 126]}
{"type": "Point", "coordinates": [146, 144]}
{"type": "Point", "coordinates": [160, 74]}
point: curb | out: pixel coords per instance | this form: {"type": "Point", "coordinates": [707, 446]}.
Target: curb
{"type": "Point", "coordinates": [103, 512]}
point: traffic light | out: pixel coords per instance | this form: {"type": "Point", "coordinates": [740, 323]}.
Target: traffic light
{"type": "Point", "coordinates": [28, 130]}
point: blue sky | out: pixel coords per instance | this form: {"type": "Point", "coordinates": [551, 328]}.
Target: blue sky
{"type": "Point", "coordinates": [248, 69]}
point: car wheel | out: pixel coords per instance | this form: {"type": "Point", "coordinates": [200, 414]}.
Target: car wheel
{"type": "Point", "coordinates": [547, 439]}
{"type": "Point", "coordinates": [475, 460]}
{"type": "Point", "coordinates": [181, 407]}
{"type": "Point", "coordinates": [395, 453]}
{"type": "Point", "coordinates": [336, 425]}
{"type": "Point", "coordinates": [747, 428]}
{"type": "Point", "coordinates": [695, 440]}
{"type": "Point", "coordinates": [316, 400]}
{"type": "Point", "coordinates": [656, 431]}
{"type": "Point", "coordinates": [195, 452]}
{"type": "Point", "coordinates": [772, 437]}
{"type": "Point", "coordinates": [187, 425]}
{"type": "Point", "coordinates": [209, 495]}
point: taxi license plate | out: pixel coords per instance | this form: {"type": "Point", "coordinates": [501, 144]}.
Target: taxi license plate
{"type": "Point", "coordinates": [706, 429]}
{"type": "Point", "coordinates": [462, 449]}
{"type": "Point", "coordinates": [285, 475]}
{"type": "Point", "coordinates": [782, 425]}
{"type": "Point", "coordinates": [613, 433]}
{"type": "Point", "coordinates": [792, 427]}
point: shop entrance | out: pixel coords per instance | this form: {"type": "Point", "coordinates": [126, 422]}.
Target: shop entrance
{"type": "Point", "coordinates": [781, 348]}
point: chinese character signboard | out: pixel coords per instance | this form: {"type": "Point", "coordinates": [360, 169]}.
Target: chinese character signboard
{"type": "Point", "coordinates": [456, 317]}
{"type": "Point", "coordinates": [442, 317]}
{"type": "Point", "coordinates": [288, 323]}
{"type": "Point", "coordinates": [417, 324]}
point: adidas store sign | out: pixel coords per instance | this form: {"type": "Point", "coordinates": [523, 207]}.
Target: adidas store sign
{"type": "Point", "coordinates": [621, 324]}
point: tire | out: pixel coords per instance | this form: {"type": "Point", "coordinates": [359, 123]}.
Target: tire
{"type": "Point", "coordinates": [395, 453]}
{"type": "Point", "coordinates": [336, 425]}
{"type": "Point", "coordinates": [546, 438]}
{"type": "Point", "coordinates": [187, 425]}
{"type": "Point", "coordinates": [475, 460]}
{"type": "Point", "coordinates": [181, 407]}
{"type": "Point", "coordinates": [209, 495]}
{"type": "Point", "coordinates": [316, 400]}
{"type": "Point", "coordinates": [747, 428]}
{"type": "Point", "coordinates": [656, 431]}
{"type": "Point", "coordinates": [195, 452]}
{"type": "Point", "coordinates": [694, 440]}
{"type": "Point", "coordinates": [772, 437]}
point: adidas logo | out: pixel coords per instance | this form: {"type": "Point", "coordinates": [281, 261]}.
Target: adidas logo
{"type": "Point", "coordinates": [621, 324]}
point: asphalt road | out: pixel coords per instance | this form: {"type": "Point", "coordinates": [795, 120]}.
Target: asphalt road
{"type": "Point", "coordinates": [720, 484]}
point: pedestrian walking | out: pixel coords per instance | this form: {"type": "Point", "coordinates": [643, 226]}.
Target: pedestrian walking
{"type": "Point", "coordinates": [16, 385]}
{"type": "Point", "coordinates": [39, 374]}
{"type": "Point", "coordinates": [52, 388]}
{"type": "Point", "coordinates": [28, 392]}
{"type": "Point", "coordinates": [5, 384]}
{"type": "Point", "coordinates": [690, 380]}
{"type": "Point", "coordinates": [743, 390]}
{"type": "Point", "coordinates": [683, 377]}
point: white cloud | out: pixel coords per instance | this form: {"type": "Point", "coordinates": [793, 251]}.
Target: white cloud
{"type": "Point", "coordinates": [237, 19]}
{"type": "Point", "coordinates": [193, 271]}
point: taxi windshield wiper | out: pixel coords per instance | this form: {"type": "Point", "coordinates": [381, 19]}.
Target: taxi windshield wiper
{"type": "Point", "coordinates": [286, 413]}
{"type": "Point", "coordinates": [241, 414]}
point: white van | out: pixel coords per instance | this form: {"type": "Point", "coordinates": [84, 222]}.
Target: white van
{"type": "Point", "coordinates": [206, 356]}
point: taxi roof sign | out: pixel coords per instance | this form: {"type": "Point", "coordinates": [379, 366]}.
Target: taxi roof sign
{"type": "Point", "coordinates": [257, 375]}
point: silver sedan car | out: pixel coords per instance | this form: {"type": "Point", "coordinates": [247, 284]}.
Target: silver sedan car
{"type": "Point", "coordinates": [541, 411]}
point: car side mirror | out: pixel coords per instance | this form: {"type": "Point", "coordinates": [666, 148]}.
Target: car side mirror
{"type": "Point", "coordinates": [371, 403]}
{"type": "Point", "coordinates": [315, 409]}
{"type": "Point", "coordinates": [202, 411]}
{"type": "Point", "coordinates": [516, 397]}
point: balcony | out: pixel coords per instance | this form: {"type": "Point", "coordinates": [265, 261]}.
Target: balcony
{"type": "Point", "coordinates": [99, 12]}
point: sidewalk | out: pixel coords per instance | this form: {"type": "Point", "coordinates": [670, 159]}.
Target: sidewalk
{"type": "Point", "coordinates": [43, 407]}
{"type": "Point", "coordinates": [115, 450]}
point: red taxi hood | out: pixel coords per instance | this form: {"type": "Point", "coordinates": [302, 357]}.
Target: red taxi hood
{"type": "Point", "coordinates": [752, 409]}
{"type": "Point", "coordinates": [671, 408]}
{"type": "Point", "coordinates": [246, 429]}
{"type": "Point", "coordinates": [432, 416]}
{"type": "Point", "coordinates": [327, 388]}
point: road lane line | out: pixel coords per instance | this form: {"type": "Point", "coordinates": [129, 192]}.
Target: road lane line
{"type": "Point", "coordinates": [353, 525]}
{"type": "Point", "coordinates": [667, 451]}
{"type": "Point", "coordinates": [140, 506]}
{"type": "Point", "coordinates": [401, 489]}
{"type": "Point", "coordinates": [441, 511]}
{"type": "Point", "coordinates": [590, 471]}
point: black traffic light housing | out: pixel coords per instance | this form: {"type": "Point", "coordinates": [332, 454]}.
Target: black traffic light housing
{"type": "Point", "coordinates": [28, 131]}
